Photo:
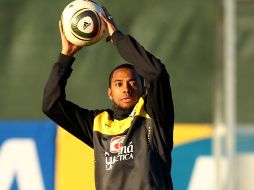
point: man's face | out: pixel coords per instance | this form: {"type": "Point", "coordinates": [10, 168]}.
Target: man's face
{"type": "Point", "coordinates": [125, 88]}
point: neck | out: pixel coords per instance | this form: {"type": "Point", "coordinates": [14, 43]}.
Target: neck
{"type": "Point", "coordinates": [120, 113]}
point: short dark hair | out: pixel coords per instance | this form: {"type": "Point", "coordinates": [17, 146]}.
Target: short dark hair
{"type": "Point", "coordinates": [125, 65]}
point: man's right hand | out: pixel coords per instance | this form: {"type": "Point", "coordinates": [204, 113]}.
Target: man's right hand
{"type": "Point", "coordinates": [67, 47]}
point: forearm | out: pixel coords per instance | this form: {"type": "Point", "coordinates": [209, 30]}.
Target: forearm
{"type": "Point", "coordinates": [55, 86]}
{"type": "Point", "coordinates": [147, 65]}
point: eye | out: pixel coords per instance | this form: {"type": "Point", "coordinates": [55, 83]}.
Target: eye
{"type": "Point", "coordinates": [118, 84]}
{"type": "Point", "coordinates": [133, 83]}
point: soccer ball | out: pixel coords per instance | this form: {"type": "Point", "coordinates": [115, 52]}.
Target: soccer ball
{"type": "Point", "coordinates": [81, 22]}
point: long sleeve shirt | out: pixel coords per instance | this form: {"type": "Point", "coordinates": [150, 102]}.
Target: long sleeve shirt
{"type": "Point", "coordinates": [132, 151]}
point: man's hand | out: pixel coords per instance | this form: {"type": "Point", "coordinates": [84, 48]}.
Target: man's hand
{"type": "Point", "coordinates": [108, 19]}
{"type": "Point", "coordinates": [67, 47]}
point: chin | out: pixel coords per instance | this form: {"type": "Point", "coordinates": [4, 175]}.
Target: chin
{"type": "Point", "coordinates": [126, 108]}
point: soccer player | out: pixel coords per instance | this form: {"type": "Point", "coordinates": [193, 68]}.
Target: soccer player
{"type": "Point", "coordinates": [133, 141]}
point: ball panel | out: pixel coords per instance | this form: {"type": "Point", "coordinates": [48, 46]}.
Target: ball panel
{"type": "Point", "coordinates": [85, 24]}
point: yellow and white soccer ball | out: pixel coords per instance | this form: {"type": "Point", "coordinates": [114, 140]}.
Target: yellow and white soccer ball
{"type": "Point", "coordinates": [81, 22]}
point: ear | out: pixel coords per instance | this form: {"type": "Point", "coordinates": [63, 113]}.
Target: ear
{"type": "Point", "coordinates": [110, 94]}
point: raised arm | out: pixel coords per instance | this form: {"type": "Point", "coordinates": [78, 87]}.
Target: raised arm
{"type": "Point", "coordinates": [155, 74]}
{"type": "Point", "coordinates": [56, 107]}
{"type": "Point", "coordinates": [149, 67]}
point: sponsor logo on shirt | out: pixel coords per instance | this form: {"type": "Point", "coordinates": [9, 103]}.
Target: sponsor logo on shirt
{"type": "Point", "coordinates": [118, 152]}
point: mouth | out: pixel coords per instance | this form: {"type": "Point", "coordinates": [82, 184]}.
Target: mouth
{"type": "Point", "coordinates": [127, 99]}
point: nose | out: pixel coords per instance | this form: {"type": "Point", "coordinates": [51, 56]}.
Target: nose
{"type": "Point", "coordinates": [127, 88]}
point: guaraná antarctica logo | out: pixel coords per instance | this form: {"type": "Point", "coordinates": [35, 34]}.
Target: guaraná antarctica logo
{"type": "Point", "coordinates": [118, 151]}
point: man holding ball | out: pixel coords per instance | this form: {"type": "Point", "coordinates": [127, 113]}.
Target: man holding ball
{"type": "Point", "coordinates": [133, 141]}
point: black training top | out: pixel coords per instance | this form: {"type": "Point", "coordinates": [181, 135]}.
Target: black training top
{"type": "Point", "coordinates": [132, 151]}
